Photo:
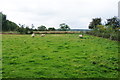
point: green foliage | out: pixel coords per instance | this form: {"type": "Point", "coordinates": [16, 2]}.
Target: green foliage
{"type": "Point", "coordinates": [110, 30]}
{"type": "Point", "coordinates": [114, 22]}
{"type": "Point", "coordinates": [100, 27]}
{"type": "Point", "coordinates": [21, 30]}
{"type": "Point", "coordinates": [24, 29]}
{"type": "Point", "coordinates": [51, 29]}
{"type": "Point", "coordinates": [64, 27]}
{"type": "Point", "coordinates": [8, 25]}
{"type": "Point", "coordinates": [11, 26]}
{"type": "Point", "coordinates": [42, 28]}
{"type": "Point", "coordinates": [59, 56]}
{"type": "Point", "coordinates": [107, 33]}
{"type": "Point", "coordinates": [94, 23]}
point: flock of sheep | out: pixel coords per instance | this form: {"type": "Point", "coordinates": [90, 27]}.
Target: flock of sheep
{"type": "Point", "coordinates": [42, 35]}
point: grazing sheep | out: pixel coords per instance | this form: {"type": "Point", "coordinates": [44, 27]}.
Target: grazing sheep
{"type": "Point", "coordinates": [42, 35]}
{"type": "Point", "coordinates": [33, 35]}
{"type": "Point", "coordinates": [80, 36]}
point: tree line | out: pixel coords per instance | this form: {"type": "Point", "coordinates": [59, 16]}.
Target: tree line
{"type": "Point", "coordinates": [114, 23]}
{"type": "Point", "coordinates": [8, 25]}
{"type": "Point", "coordinates": [110, 29]}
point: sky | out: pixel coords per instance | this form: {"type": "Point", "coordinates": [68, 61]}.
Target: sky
{"type": "Point", "coordinates": [77, 14]}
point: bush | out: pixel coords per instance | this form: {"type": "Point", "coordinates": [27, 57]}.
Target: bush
{"type": "Point", "coordinates": [110, 34]}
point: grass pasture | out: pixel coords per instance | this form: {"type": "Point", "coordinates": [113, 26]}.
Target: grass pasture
{"type": "Point", "coordinates": [59, 56]}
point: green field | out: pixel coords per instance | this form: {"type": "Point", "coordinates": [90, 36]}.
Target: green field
{"type": "Point", "coordinates": [59, 56]}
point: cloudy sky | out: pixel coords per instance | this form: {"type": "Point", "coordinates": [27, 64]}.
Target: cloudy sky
{"type": "Point", "coordinates": [75, 13]}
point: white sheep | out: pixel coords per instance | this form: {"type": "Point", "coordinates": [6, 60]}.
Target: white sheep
{"type": "Point", "coordinates": [33, 35]}
{"type": "Point", "coordinates": [42, 35]}
{"type": "Point", "coordinates": [80, 36]}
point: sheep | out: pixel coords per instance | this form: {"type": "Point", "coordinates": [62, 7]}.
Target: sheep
{"type": "Point", "coordinates": [80, 36]}
{"type": "Point", "coordinates": [33, 35]}
{"type": "Point", "coordinates": [42, 35]}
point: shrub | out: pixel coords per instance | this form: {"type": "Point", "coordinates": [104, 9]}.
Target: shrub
{"type": "Point", "coordinates": [110, 34]}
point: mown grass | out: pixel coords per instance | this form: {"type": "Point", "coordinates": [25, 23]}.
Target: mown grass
{"type": "Point", "coordinates": [59, 56]}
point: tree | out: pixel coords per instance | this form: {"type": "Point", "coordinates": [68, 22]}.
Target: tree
{"type": "Point", "coordinates": [51, 29]}
{"type": "Point", "coordinates": [24, 29]}
{"type": "Point", "coordinates": [64, 27]}
{"type": "Point", "coordinates": [4, 22]}
{"type": "Point", "coordinates": [21, 30]}
{"type": "Point", "coordinates": [11, 26]}
{"type": "Point", "coordinates": [8, 25]}
{"type": "Point", "coordinates": [32, 26]}
{"type": "Point", "coordinates": [42, 28]}
{"type": "Point", "coordinates": [94, 23]}
{"type": "Point", "coordinates": [27, 30]}
{"type": "Point", "coordinates": [101, 28]}
{"type": "Point", "coordinates": [114, 22]}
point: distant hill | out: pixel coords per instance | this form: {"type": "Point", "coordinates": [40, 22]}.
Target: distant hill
{"type": "Point", "coordinates": [80, 29]}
